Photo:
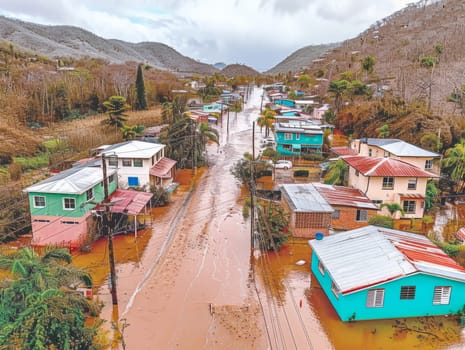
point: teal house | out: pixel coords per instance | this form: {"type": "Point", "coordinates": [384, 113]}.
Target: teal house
{"type": "Point", "coordinates": [295, 138]}
{"type": "Point", "coordinates": [60, 205]}
{"type": "Point", "coordinates": [378, 273]}
{"type": "Point", "coordinates": [284, 102]}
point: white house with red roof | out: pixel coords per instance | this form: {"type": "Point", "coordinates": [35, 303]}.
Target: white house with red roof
{"type": "Point", "coordinates": [377, 273]}
{"type": "Point", "coordinates": [389, 180]}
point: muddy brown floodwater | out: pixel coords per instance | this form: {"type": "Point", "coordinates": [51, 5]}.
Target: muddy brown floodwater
{"type": "Point", "coordinates": [190, 281]}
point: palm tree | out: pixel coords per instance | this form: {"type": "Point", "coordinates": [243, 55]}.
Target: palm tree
{"type": "Point", "coordinates": [207, 134]}
{"type": "Point", "coordinates": [40, 307]}
{"type": "Point", "coordinates": [115, 108]}
{"type": "Point", "coordinates": [266, 120]}
{"type": "Point", "coordinates": [130, 132]}
{"type": "Point", "coordinates": [368, 64]}
{"type": "Point", "coordinates": [336, 172]}
{"type": "Point", "coordinates": [393, 208]}
{"type": "Point", "coordinates": [454, 164]}
{"type": "Point", "coordinates": [338, 88]}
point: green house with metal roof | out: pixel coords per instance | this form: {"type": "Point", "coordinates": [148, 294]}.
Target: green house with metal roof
{"type": "Point", "coordinates": [60, 205]}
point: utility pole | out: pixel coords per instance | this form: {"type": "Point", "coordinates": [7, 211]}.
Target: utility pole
{"type": "Point", "coordinates": [107, 230]}
{"type": "Point", "coordinates": [252, 191]}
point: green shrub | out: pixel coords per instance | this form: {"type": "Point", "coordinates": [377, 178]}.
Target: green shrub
{"type": "Point", "coordinates": [301, 173]}
{"type": "Point", "coordinates": [450, 249]}
{"type": "Point", "coordinates": [382, 221]}
{"type": "Point", "coordinates": [312, 156]}
{"type": "Point", "coordinates": [29, 163]}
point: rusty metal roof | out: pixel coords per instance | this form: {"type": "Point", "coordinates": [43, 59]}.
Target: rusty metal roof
{"type": "Point", "coordinates": [127, 202]}
{"type": "Point", "coordinates": [344, 196]}
{"type": "Point", "coordinates": [371, 255]}
{"type": "Point", "coordinates": [344, 151]}
{"type": "Point", "coordinates": [163, 168]}
{"type": "Point", "coordinates": [379, 166]}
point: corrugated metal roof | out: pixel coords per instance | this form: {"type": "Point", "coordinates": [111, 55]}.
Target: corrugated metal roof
{"type": "Point", "coordinates": [305, 198]}
{"type": "Point", "coordinates": [303, 128]}
{"type": "Point", "coordinates": [162, 168]}
{"type": "Point", "coordinates": [75, 180]}
{"type": "Point", "coordinates": [344, 196]}
{"type": "Point", "coordinates": [128, 201]}
{"type": "Point", "coordinates": [371, 255]}
{"type": "Point", "coordinates": [134, 149]}
{"type": "Point", "coordinates": [378, 166]}
{"type": "Point", "coordinates": [399, 147]}
{"type": "Point", "coordinates": [344, 151]}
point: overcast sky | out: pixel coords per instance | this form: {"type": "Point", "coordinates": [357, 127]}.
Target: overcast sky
{"type": "Point", "coordinates": [258, 33]}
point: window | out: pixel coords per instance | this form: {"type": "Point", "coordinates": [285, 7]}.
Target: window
{"type": "Point", "coordinates": [287, 136]}
{"type": "Point", "coordinates": [407, 292]}
{"type": "Point", "coordinates": [70, 222]}
{"type": "Point", "coordinates": [287, 147]}
{"type": "Point", "coordinates": [89, 194]}
{"type": "Point", "coordinates": [335, 290]}
{"type": "Point", "coordinates": [153, 159]}
{"type": "Point", "coordinates": [429, 164]}
{"type": "Point", "coordinates": [39, 202]}
{"type": "Point", "coordinates": [409, 207]}
{"type": "Point", "coordinates": [357, 173]}
{"type": "Point", "coordinates": [370, 152]}
{"type": "Point", "coordinates": [412, 184]}
{"type": "Point", "coordinates": [113, 161]}
{"type": "Point", "coordinates": [441, 295]}
{"type": "Point", "coordinates": [133, 181]}
{"type": "Point", "coordinates": [375, 298]}
{"type": "Point", "coordinates": [127, 162]}
{"type": "Point", "coordinates": [377, 202]}
{"type": "Point", "coordinates": [362, 215]}
{"type": "Point", "coordinates": [297, 136]}
{"type": "Point", "coordinates": [69, 203]}
{"type": "Point", "coordinates": [111, 178]}
{"type": "Point", "coordinates": [321, 268]}
{"type": "Point", "coordinates": [335, 214]}
{"type": "Point", "coordinates": [388, 183]}
{"type": "Point", "coordinates": [137, 163]}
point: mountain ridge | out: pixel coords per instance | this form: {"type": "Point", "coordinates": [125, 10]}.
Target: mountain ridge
{"type": "Point", "coordinates": [68, 41]}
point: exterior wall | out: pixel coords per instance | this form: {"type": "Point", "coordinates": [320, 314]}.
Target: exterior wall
{"type": "Point", "coordinates": [142, 173]}
{"type": "Point", "coordinates": [348, 218]}
{"type": "Point", "coordinates": [372, 187]}
{"type": "Point", "coordinates": [353, 306]}
{"type": "Point", "coordinates": [54, 202]}
{"type": "Point", "coordinates": [419, 162]}
{"type": "Point", "coordinates": [314, 141]}
{"type": "Point", "coordinates": [59, 231]}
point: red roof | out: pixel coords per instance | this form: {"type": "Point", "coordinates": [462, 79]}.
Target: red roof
{"type": "Point", "coordinates": [344, 151]}
{"type": "Point", "coordinates": [378, 166]}
{"type": "Point", "coordinates": [461, 234]}
{"type": "Point", "coordinates": [163, 168]}
{"type": "Point", "coordinates": [344, 196]}
{"type": "Point", "coordinates": [128, 201]}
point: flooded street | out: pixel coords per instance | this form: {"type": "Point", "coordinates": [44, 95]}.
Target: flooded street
{"type": "Point", "coordinates": [188, 282]}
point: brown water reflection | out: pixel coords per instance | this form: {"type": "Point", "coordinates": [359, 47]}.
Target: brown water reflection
{"type": "Point", "coordinates": [280, 272]}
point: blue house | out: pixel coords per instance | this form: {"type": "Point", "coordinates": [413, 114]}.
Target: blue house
{"type": "Point", "coordinates": [284, 102]}
{"type": "Point", "coordinates": [295, 138]}
{"type": "Point", "coordinates": [378, 273]}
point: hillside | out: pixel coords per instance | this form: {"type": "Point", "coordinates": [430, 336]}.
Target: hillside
{"type": "Point", "coordinates": [234, 70]}
{"type": "Point", "coordinates": [419, 53]}
{"type": "Point", "coordinates": [67, 41]}
{"type": "Point", "coordinates": [300, 59]}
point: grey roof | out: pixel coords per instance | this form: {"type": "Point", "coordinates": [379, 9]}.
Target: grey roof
{"type": "Point", "coordinates": [133, 149]}
{"type": "Point", "coordinates": [372, 255]}
{"type": "Point", "coordinates": [399, 148]}
{"type": "Point", "coordinates": [305, 198]}
{"type": "Point", "coordinates": [75, 180]}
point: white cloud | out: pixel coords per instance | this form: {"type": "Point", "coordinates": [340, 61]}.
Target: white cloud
{"type": "Point", "coordinates": [259, 33]}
